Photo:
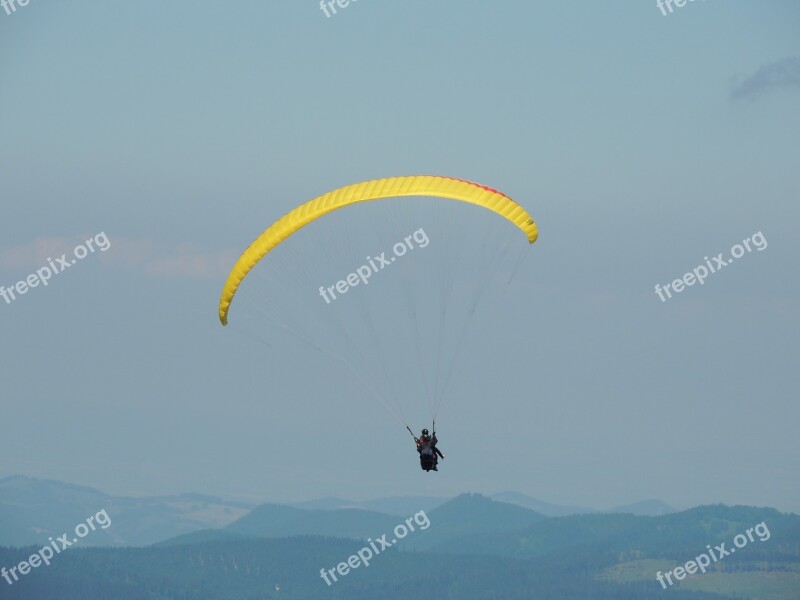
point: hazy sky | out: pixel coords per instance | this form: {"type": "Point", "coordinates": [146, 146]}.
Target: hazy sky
{"type": "Point", "coordinates": [641, 143]}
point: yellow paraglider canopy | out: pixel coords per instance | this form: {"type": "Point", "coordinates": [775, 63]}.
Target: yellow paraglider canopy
{"type": "Point", "coordinates": [392, 187]}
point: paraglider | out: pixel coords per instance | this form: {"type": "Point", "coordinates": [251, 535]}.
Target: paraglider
{"type": "Point", "coordinates": [382, 329]}
{"type": "Point", "coordinates": [429, 454]}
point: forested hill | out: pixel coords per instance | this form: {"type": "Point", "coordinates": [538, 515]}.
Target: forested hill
{"type": "Point", "coordinates": [289, 569]}
{"type": "Point", "coordinates": [526, 556]}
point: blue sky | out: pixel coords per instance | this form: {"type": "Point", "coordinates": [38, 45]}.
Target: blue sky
{"type": "Point", "coordinates": [640, 143]}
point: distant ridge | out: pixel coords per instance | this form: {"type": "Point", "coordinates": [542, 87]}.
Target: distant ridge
{"type": "Point", "coordinates": [545, 508]}
{"type": "Point", "coordinates": [392, 505]}
{"type": "Point", "coordinates": [33, 509]}
{"type": "Point", "coordinates": [645, 508]}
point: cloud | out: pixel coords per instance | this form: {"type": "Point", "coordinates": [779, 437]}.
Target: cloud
{"type": "Point", "coordinates": [187, 261]}
{"type": "Point", "coordinates": [781, 75]}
